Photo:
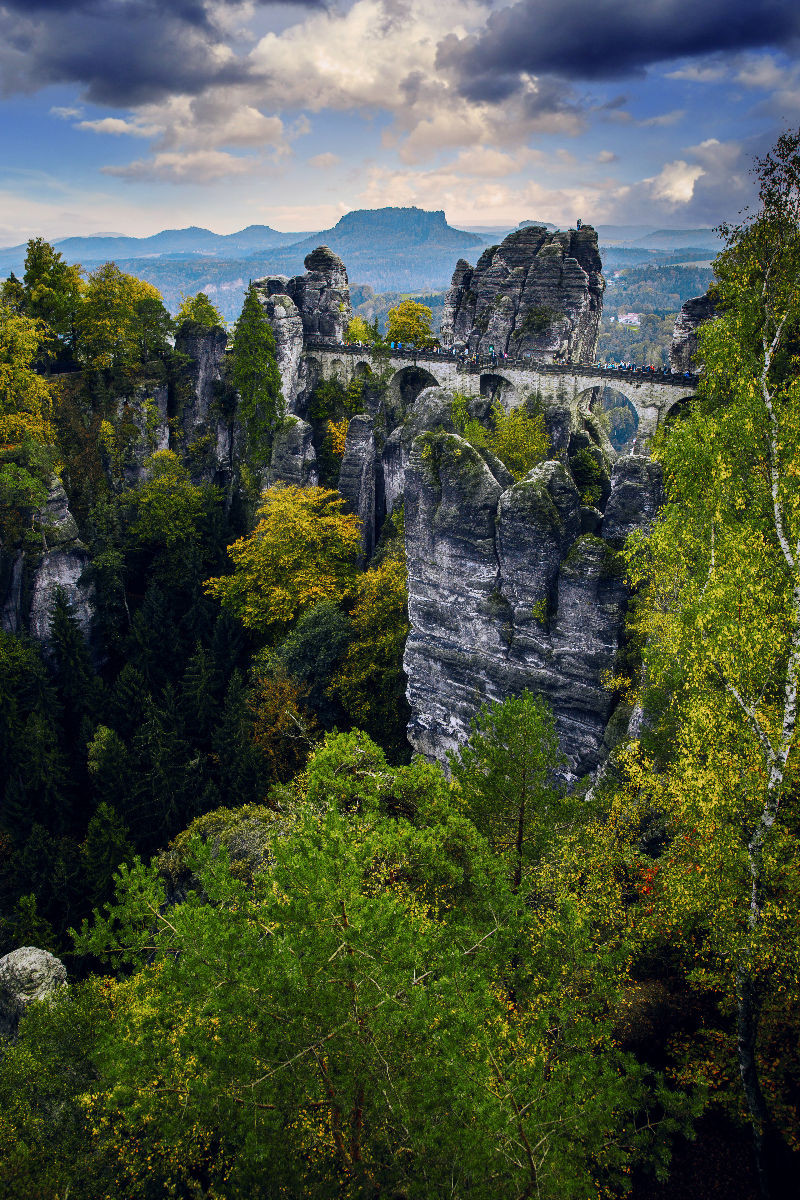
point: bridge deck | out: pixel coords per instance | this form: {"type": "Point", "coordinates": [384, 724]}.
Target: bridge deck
{"type": "Point", "coordinates": [482, 365]}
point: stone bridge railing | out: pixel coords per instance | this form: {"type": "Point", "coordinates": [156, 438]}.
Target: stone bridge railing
{"type": "Point", "coordinates": [486, 363]}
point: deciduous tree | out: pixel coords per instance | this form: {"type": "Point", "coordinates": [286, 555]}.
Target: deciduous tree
{"type": "Point", "coordinates": [721, 616]}
{"type": "Point", "coordinates": [198, 310]}
{"type": "Point", "coordinates": [409, 322]}
{"type": "Point", "coordinates": [302, 550]}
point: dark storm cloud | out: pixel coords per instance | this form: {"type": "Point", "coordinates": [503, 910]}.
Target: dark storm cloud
{"type": "Point", "coordinates": [122, 52]}
{"type": "Point", "coordinates": [607, 39]}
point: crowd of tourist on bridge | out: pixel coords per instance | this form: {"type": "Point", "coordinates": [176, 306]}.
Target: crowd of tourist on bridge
{"type": "Point", "coordinates": [471, 360]}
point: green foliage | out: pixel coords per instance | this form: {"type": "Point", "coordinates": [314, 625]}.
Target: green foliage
{"type": "Point", "coordinates": [409, 322]}
{"type": "Point", "coordinates": [589, 476]}
{"type": "Point", "coordinates": [537, 320]}
{"type": "Point", "coordinates": [27, 453]}
{"type": "Point", "coordinates": [255, 375]}
{"type": "Point", "coordinates": [51, 292]}
{"type": "Point", "coordinates": [312, 653]}
{"type": "Point", "coordinates": [517, 437]}
{"type": "Point", "coordinates": [720, 621]}
{"type": "Point", "coordinates": [371, 682]}
{"type": "Point", "coordinates": [506, 774]}
{"type": "Point", "coordinates": [198, 310]}
{"type": "Point", "coordinates": [363, 956]}
{"type": "Point", "coordinates": [122, 322]}
{"type": "Point", "coordinates": [105, 846]}
{"type": "Point", "coordinates": [359, 330]}
{"type": "Point", "coordinates": [302, 550]}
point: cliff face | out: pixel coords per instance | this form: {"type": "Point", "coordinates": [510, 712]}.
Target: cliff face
{"type": "Point", "coordinates": [537, 292]}
{"type": "Point", "coordinates": [29, 577]}
{"type": "Point", "coordinates": [206, 433]}
{"type": "Point", "coordinates": [507, 593]}
{"type": "Point", "coordinates": [684, 336]}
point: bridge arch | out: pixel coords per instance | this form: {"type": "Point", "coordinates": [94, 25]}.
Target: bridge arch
{"type": "Point", "coordinates": [618, 416]}
{"type": "Point", "coordinates": [405, 385]}
{"type": "Point", "coordinates": [677, 408]}
{"type": "Point", "coordinates": [498, 389]}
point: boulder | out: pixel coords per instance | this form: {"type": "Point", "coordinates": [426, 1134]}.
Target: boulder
{"type": "Point", "coordinates": [26, 975]}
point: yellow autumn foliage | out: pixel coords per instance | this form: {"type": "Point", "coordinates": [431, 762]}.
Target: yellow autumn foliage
{"type": "Point", "coordinates": [302, 550]}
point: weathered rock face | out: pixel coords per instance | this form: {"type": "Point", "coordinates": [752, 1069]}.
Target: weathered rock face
{"type": "Point", "coordinates": [294, 459]}
{"type": "Point", "coordinates": [30, 578]}
{"type": "Point", "coordinates": [636, 495]}
{"type": "Point", "coordinates": [684, 336]}
{"type": "Point", "coordinates": [147, 415]}
{"type": "Point", "coordinates": [207, 436]}
{"type": "Point", "coordinates": [357, 478]}
{"type": "Point", "coordinates": [287, 325]}
{"type": "Point", "coordinates": [26, 975]}
{"type": "Point", "coordinates": [507, 591]}
{"type": "Point", "coordinates": [320, 301]}
{"type": "Point", "coordinates": [536, 293]}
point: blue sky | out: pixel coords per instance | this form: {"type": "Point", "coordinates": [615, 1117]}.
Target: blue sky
{"type": "Point", "coordinates": [137, 115]}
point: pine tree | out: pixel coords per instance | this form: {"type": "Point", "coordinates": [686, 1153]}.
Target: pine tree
{"type": "Point", "coordinates": [505, 770]}
{"type": "Point", "coordinates": [256, 376]}
{"type": "Point", "coordinates": [237, 757]}
{"type": "Point", "coordinates": [105, 846]}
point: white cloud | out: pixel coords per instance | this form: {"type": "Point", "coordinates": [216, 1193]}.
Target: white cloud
{"type": "Point", "coordinates": [675, 182]}
{"type": "Point", "coordinates": [324, 162]}
{"type": "Point", "coordinates": [606, 156]}
{"type": "Point", "coordinates": [195, 166]}
{"type": "Point", "coordinates": [380, 56]}
{"type": "Point", "coordinates": [701, 72]}
{"type": "Point", "coordinates": [117, 126]}
{"type": "Point", "coordinates": [664, 119]}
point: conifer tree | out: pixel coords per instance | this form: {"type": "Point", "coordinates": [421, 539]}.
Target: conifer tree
{"type": "Point", "coordinates": [256, 376]}
{"type": "Point", "coordinates": [105, 846]}
{"type": "Point", "coordinates": [505, 770]}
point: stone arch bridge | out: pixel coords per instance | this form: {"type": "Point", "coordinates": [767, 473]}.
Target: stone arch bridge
{"type": "Point", "coordinates": [653, 395]}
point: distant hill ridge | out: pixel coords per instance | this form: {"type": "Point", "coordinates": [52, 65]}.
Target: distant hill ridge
{"type": "Point", "coordinates": [390, 226]}
{"type": "Point", "coordinates": [392, 249]}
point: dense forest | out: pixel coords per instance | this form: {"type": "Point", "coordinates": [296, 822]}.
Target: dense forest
{"type": "Point", "coordinates": [303, 962]}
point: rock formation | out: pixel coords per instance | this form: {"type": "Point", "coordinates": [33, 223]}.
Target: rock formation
{"type": "Point", "coordinates": [537, 293]}
{"type": "Point", "coordinates": [26, 975]}
{"type": "Point", "coordinates": [508, 591]}
{"type": "Point", "coordinates": [206, 431]}
{"type": "Point", "coordinates": [357, 478]}
{"type": "Point", "coordinates": [684, 337]}
{"type": "Point", "coordinates": [294, 459]}
{"type": "Point", "coordinates": [29, 578]}
{"type": "Point", "coordinates": [287, 325]}
{"type": "Point", "coordinates": [313, 305]}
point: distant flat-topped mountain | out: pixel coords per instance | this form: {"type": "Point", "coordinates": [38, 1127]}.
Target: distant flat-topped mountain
{"type": "Point", "coordinates": [390, 229]}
